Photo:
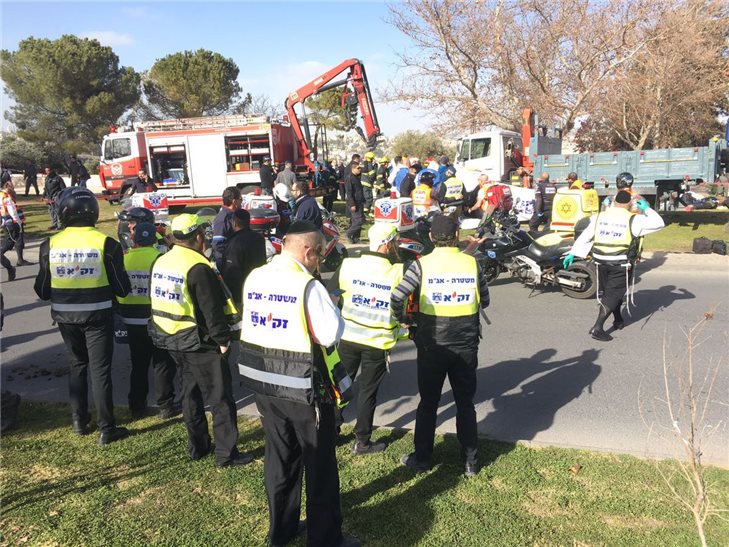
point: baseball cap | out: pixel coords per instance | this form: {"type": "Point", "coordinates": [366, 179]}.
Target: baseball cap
{"type": "Point", "coordinates": [145, 234]}
{"type": "Point", "coordinates": [381, 233]}
{"type": "Point", "coordinates": [443, 227]}
{"type": "Point", "coordinates": [185, 225]}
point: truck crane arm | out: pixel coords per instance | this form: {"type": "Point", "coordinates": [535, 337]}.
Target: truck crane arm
{"type": "Point", "coordinates": [355, 96]}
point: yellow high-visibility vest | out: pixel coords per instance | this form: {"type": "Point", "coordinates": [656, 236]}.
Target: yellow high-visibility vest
{"type": "Point", "coordinates": [78, 275]}
{"type": "Point", "coordinates": [173, 311]}
{"type": "Point", "coordinates": [613, 235]}
{"type": "Point", "coordinates": [449, 283]}
{"type": "Point", "coordinates": [134, 308]}
{"type": "Point", "coordinates": [454, 188]}
{"type": "Point", "coordinates": [368, 283]}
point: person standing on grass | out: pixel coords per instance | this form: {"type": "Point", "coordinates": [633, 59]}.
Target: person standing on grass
{"type": "Point", "coordinates": [355, 203]}
{"type": "Point", "coordinates": [222, 225]}
{"type": "Point", "coordinates": [81, 271]}
{"type": "Point", "coordinates": [452, 290]}
{"type": "Point", "coordinates": [135, 310]}
{"type": "Point", "coordinates": [246, 251]}
{"type": "Point", "coordinates": [370, 331]}
{"type": "Point", "coordinates": [30, 175]}
{"type": "Point", "coordinates": [289, 359]}
{"type": "Point", "coordinates": [191, 319]}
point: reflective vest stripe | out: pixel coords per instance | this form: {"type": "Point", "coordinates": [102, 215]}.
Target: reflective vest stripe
{"type": "Point", "coordinates": [274, 378]}
{"type": "Point", "coordinates": [135, 320]}
{"type": "Point", "coordinates": [173, 316]}
{"type": "Point", "coordinates": [610, 258]}
{"type": "Point", "coordinates": [368, 282]}
{"type": "Point", "coordinates": [94, 306]}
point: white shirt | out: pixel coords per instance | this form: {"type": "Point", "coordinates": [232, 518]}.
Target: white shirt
{"type": "Point", "coordinates": [324, 320]}
{"type": "Point", "coordinates": [643, 224]}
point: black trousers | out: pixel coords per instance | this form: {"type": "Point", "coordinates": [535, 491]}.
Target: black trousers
{"type": "Point", "coordinates": [612, 285]}
{"type": "Point", "coordinates": [90, 348]}
{"type": "Point", "coordinates": [459, 364]}
{"type": "Point", "coordinates": [31, 182]}
{"type": "Point", "coordinates": [371, 363]}
{"type": "Point", "coordinates": [328, 200]}
{"type": "Point", "coordinates": [358, 220]}
{"type": "Point", "coordinates": [142, 353]}
{"type": "Point", "coordinates": [342, 191]}
{"type": "Point", "coordinates": [12, 238]}
{"type": "Point", "coordinates": [296, 444]}
{"type": "Point", "coordinates": [206, 379]}
{"type": "Point", "coordinates": [537, 220]}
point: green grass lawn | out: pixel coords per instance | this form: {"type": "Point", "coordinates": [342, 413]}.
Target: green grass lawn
{"type": "Point", "coordinates": [683, 227]}
{"type": "Point", "coordinates": [61, 489]}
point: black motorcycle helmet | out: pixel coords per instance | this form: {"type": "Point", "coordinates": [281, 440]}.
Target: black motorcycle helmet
{"type": "Point", "coordinates": [77, 206]}
{"type": "Point", "coordinates": [624, 180]}
{"type": "Point", "coordinates": [137, 214]}
{"type": "Point", "coordinates": [427, 178]}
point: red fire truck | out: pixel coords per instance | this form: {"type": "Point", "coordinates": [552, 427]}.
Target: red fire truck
{"type": "Point", "coordinates": [193, 160]}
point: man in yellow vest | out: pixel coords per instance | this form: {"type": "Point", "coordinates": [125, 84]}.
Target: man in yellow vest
{"type": "Point", "coordinates": [191, 318]}
{"type": "Point", "coordinates": [290, 327]}
{"type": "Point", "coordinates": [135, 310]}
{"type": "Point", "coordinates": [451, 190]}
{"type": "Point", "coordinates": [452, 290]}
{"type": "Point", "coordinates": [81, 270]}
{"type": "Point", "coordinates": [370, 331]}
{"type": "Point", "coordinates": [612, 238]}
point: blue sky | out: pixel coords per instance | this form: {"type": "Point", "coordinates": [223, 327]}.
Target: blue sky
{"type": "Point", "coordinates": [278, 46]}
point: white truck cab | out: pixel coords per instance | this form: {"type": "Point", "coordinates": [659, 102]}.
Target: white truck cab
{"type": "Point", "coordinates": [492, 152]}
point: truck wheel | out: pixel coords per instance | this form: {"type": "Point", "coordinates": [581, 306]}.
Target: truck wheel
{"type": "Point", "coordinates": [589, 288]}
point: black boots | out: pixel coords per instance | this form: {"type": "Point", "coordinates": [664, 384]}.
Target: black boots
{"type": "Point", "coordinates": [618, 322]}
{"type": "Point", "coordinates": [597, 331]}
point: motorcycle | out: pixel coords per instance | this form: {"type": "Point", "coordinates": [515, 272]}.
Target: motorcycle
{"type": "Point", "coordinates": [535, 261]}
{"type": "Point", "coordinates": [334, 251]}
{"type": "Point", "coordinates": [266, 219]}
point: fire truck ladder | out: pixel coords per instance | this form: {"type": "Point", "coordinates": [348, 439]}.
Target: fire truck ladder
{"type": "Point", "coordinates": [208, 122]}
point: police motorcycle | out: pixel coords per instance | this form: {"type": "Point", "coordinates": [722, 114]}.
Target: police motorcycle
{"type": "Point", "coordinates": [334, 251]}
{"type": "Point", "coordinates": [534, 262]}
{"type": "Point", "coordinates": [270, 216]}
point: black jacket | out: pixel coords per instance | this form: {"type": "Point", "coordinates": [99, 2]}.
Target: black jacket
{"type": "Point", "coordinates": [246, 250]}
{"type": "Point", "coordinates": [53, 186]}
{"type": "Point", "coordinates": [140, 187]}
{"type": "Point", "coordinates": [407, 185]}
{"type": "Point", "coordinates": [267, 177]}
{"type": "Point", "coordinates": [206, 293]}
{"type": "Point", "coordinates": [353, 189]}
{"type": "Point", "coordinates": [306, 208]}
{"type": "Point", "coordinates": [544, 196]}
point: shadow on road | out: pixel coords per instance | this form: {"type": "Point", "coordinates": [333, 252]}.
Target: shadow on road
{"type": "Point", "coordinates": [650, 301]}
{"type": "Point", "coordinates": [521, 415]}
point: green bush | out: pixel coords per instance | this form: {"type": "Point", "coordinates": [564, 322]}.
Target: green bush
{"type": "Point", "coordinates": [15, 152]}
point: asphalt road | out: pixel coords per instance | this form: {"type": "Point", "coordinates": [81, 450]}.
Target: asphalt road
{"type": "Point", "coordinates": [541, 378]}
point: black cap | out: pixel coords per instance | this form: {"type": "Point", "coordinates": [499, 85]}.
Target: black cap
{"type": "Point", "coordinates": [302, 227]}
{"type": "Point", "coordinates": [623, 197]}
{"type": "Point", "coordinates": [443, 227]}
{"type": "Point", "coordinates": [145, 234]}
